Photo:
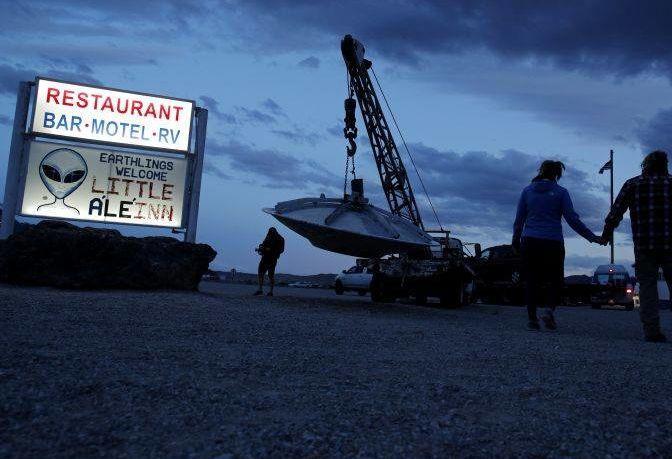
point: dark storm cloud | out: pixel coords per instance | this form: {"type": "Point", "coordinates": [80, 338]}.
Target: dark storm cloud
{"type": "Point", "coordinates": [479, 189]}
{"type": "Point", "coordinates": [298, 135]}
{"type": "Point", "coordinates": [6, 120]}
{"type": "Point", "coordinates": [336, 130]}
{"type": "Point", "coordinates": [273, 107]}
{"type": "Point", "coordinates": [213, 107]}
{"type": "Point", "coordinates": [589, 263]}
{"type": "Point", "coordinates": [621, 36]}
{"type": "Point", "coordinates": [10, 77]}
{"type": "Point", "coordinates": [255, 116]}
{"type": "Point", "coordinates": [311, 62]}
{"type": "Point", "coordinates": [656, 134]}
{"type": "Point", "coordinates": [272, 168]}
{"type": "Point", "coordinates": [215, 170]}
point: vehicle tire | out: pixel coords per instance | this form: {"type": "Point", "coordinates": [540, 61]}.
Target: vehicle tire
{"type": "Point", "coordinates": [338, 288]}
{"type": "Point", "coordinates": [362, 292]}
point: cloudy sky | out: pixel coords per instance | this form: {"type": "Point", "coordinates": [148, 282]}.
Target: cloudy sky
{"type": "Point", "coordinates": [482, 90]}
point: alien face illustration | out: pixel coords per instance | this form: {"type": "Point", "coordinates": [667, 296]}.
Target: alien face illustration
{"type": "Point", "coordinates": [62, 171]}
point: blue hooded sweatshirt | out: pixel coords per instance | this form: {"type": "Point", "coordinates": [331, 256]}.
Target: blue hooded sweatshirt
{"type": "Point", "coordinates": [542, 205]}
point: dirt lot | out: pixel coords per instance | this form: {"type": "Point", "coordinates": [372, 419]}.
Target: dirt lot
{"type": "Point", "coordinates": [224, 374]}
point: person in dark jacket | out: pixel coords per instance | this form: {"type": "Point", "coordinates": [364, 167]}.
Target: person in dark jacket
{"type": "Point", "coordinates": [537, 234]}
{"type": "Point", "coordinates": [270, 250]}
{"type": "Point", "coordinates": [649, 198]}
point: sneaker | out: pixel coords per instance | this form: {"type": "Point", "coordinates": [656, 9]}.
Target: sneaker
{"type": "Point", "coordinates": [269, 294]}
{"type": "Point", "coordinates": [533, 325]}
{"type": "Point", "coordinates": [656, 338]}
{"type": "Point", "coordinates": [549, 321]}
{"type": "Point", "coordinates": [258, 292]}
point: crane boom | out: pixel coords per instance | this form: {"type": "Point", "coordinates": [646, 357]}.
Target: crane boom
{"type": "Point", "coordinates": [393, 176]}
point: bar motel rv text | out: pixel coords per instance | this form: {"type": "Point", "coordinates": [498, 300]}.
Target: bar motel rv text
{"type": "Point", "coordinates": [118, 105]}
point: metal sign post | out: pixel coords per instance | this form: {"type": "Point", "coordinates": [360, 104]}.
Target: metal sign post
{"type": "Point", "coordinates": [10, 201]}
{"type": "Point", "coordinates": [197, 171]}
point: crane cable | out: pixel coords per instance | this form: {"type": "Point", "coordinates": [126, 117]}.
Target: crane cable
{"type": "Point", "coordinates": [408, 152]}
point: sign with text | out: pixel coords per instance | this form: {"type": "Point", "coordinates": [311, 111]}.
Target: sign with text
{"type": "Point", "coordinates": [77, 183]}
{"type": "Point", "coordinates": [91, 113]}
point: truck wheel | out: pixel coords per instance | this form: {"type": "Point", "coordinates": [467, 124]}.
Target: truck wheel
{"type": "Point", "coordinates": [338, 288]}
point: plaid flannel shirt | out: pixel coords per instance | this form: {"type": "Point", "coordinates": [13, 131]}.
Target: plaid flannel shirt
{"type": "Point", "coordinates": [649, 199]}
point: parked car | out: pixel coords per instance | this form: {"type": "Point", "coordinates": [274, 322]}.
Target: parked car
{"type": "Point", "coordinates": [358, 279]}
{"type": "Point", "coordinates": [613, 286]}
{"type": "Point", "coordinates": [499, 277]}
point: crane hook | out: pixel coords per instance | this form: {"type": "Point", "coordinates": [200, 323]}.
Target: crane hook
{"type": "Point", "coordinates": [350, 129]}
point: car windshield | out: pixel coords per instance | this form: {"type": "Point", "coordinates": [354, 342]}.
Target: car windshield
{"type": "Point", "coordinates": [612, 278]}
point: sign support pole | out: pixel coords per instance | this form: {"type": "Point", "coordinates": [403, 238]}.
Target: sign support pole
{"type": "Point", "coordinates": [10, 202]}
{"type": "Point", "coordinates": [195, 192]}
{"type": "Point", "coordinates": [611, 197]}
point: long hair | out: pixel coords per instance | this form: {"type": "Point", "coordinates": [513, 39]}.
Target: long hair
{"type": "Point", "coordinates": [655, 163]}
{"type": "Point", "coordinates": [550, 170]}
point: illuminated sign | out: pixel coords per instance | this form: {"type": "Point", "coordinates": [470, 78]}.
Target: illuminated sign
{"type": "Point", "coordinates": [112, 116]}
{"type": "Point", "coordinates": [77, 183]}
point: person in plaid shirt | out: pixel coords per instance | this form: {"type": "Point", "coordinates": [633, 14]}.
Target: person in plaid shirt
{"type": "Point", "coordinates": [649, 199]}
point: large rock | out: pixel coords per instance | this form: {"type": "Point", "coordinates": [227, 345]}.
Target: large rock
{"type": "Point", "coordinates": [59, 254]}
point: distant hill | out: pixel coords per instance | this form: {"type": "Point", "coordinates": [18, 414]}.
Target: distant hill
{"type": "Point", "coordinates": [323, 280]}
{"type": "Point", "coordinates": [580, 279]}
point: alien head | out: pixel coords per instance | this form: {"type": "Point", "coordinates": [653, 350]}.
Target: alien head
{"type": "Point", "coordinates": [62, 171]}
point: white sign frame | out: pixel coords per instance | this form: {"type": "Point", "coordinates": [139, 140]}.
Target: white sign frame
{"type": "Point", "coordinates": [45, 133]}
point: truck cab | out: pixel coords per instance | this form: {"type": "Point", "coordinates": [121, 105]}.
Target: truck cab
{"type": "Point", "coordinates": [613, 286]}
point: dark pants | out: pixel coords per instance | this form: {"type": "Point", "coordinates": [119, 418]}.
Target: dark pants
{"type": "Point", "coordinates": [647, 264]}
{"type": "Point", "coordinates": [544, 270]}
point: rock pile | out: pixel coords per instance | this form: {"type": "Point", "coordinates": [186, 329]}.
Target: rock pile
{"type": "Point", "coordinates": [59, 254]}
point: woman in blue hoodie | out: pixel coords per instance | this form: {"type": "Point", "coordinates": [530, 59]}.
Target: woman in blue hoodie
{"type": "Point", "coordinates": [537, 233]}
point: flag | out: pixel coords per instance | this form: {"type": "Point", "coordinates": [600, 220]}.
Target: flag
{"type": "Point", "coordinates": [607, 166]}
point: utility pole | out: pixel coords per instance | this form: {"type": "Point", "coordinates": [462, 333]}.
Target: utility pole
{"type": "Point", "coordinates": [611, 195]}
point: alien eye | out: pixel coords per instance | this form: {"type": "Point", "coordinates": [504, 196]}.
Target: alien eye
{"type": "Point", "coordinates": [51, 173]}
{"type": "Point", "coordinates": [73, 176]}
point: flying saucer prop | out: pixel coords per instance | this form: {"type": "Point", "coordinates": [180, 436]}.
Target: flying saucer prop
{"type": "Point", "coordinates": [351, 227]}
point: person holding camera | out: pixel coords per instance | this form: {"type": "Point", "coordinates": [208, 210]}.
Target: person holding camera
{"type": "Point", "coordinates": [270, 250]}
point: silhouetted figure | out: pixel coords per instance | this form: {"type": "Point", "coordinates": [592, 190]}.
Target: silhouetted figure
{"type": "Point", "coordinates": [649, 198]}
{"type": "Point", "coordinates": [537, 233]}
{"type": "Point", "coordinates": [270, 251]}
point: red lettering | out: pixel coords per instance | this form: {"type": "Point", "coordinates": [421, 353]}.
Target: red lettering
{"type": "Point", "coordinates": [164, 111]}
{"type": "Point", "coordinates": [150, 110]}
{"type": "Point", "coordinates": [136, 105]}
{"type": "Point", "coordinates": [52, 93]}
{"type": "Point", "coordinates": [83, 100]}
{"type": "Point", "coordinates": [96, 97]}
{"type": "Point", "coordinates": [107, 104]}
{"type": "Point", "coordinates": [68, 95]}
{"type": "Point", "coordinates": [167, 192]}
{"type": "Point", "coordinates": [177, 112]}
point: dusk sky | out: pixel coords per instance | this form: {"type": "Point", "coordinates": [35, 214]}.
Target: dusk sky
{"type": "Point", "coordinates": [483, 91]}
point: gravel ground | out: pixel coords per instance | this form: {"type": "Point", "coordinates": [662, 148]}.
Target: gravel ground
{"type": "Point", "coordinates": [224, 374]}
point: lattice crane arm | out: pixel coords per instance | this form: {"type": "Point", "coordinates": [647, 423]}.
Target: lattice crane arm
{"type": "Point", "coordinates": [393, 176]}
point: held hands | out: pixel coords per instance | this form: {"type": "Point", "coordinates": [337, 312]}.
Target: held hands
{"type": "Point", "coordinates": [601, 240]}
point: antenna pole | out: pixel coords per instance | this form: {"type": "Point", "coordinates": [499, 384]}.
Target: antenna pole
{"type": "Point", "coordinates": [611, 196]}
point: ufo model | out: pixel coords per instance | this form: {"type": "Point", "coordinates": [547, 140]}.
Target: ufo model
{"type": "Point", "coordinates": [351, 227]}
